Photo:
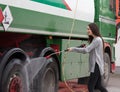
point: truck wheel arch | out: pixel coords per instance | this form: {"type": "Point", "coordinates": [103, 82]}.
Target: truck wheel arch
{"type": "Point", "coordinates": [47, 51]}
{"type": "Point", "coordinates": [108, 51]}
{"type": "Point", "coordinates": [9, 55]}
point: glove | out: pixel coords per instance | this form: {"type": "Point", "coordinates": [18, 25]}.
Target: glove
{"type": "Point", "coordinates": [68, 49]}
{"type": "Point", "coordinates": [81, 46]}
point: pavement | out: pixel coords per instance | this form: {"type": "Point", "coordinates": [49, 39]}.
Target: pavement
{"type": "Point", "coordinates": [114, 82]}
{"type": "Point", "coordinates": [72, 86]}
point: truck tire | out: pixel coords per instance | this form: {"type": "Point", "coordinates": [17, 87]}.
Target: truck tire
{"type": "Point", "coordinates": [47, 78]}
{"type": "Point", "coordinates": [106, 76]}
{"type": "Point", "coordinates": [14, 77]}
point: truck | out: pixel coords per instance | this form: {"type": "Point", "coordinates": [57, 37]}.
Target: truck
{"type": "Point", "coordinates": [35, 33]}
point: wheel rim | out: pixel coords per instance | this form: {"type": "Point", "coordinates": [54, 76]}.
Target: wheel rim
{"type": "Point", "coordinates": [49, 81]}
{"type": "Point", "coordinates": [15, 84]}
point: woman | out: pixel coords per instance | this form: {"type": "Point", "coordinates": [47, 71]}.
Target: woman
{"type": "Point", "coordinates": [96, 62]}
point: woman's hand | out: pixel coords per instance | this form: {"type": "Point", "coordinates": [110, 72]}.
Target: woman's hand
{"type": "Point", "coordinates": [68, 49]}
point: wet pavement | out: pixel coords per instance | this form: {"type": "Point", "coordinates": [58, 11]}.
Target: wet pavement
{"type": "Point", "coordinates": [114, 82]}
{"type": "Point", "coordinates": [72, 86]}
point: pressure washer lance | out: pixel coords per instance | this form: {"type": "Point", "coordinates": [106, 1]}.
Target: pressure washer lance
{"type": "Point", "coordinates": [48, 56]}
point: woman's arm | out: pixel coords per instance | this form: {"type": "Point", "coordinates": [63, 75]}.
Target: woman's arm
{"type": "Point", "coordinates": [87, 49]}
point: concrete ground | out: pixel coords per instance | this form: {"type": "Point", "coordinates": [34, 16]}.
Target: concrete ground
{"type": "Point", "coordinates": [114, 82]}
{"type": "Point", "coordinates": [72, 86]}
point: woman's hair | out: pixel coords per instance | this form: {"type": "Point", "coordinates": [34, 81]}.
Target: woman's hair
{"type": "Point", "coordinates": [95, 30]}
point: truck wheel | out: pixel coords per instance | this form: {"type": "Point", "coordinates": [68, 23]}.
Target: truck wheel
{"type": "Point", "coordinates": [47, 78]}
{"type": "Point", "coordinates": [105, 77]}
{"type": "Point", "coordinates": [14, 77]}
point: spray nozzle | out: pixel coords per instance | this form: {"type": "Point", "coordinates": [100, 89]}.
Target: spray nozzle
{"type": "Point", "coordinates": [81, 46]}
